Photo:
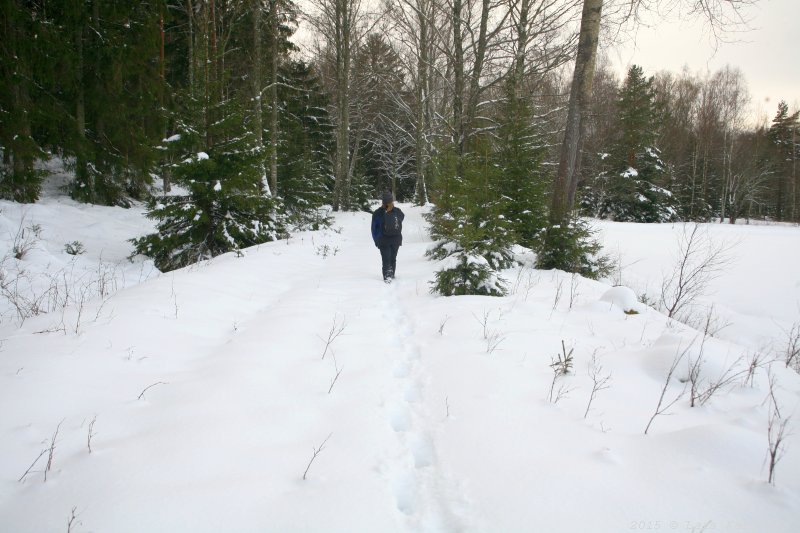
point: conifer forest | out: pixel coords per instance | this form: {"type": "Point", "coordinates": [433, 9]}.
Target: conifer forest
{"type": "Point", "coordinates": [209, 111]}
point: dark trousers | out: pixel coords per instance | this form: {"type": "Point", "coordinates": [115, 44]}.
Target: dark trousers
{"type": "Point", "coordinates": [389, 258]}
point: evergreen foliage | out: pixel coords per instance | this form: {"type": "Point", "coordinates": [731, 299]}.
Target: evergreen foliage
{"type": "Point", "coordinates": [521, 182]}
{"type": "Point", "coordinates": [472, 235]}
{"type": "Point", "coordinates": [224, 209]}
{"type": "Point", "coordinates": [785, 137]}
{"type": "Point", "coordinates": [571, 247]}
{"type": "Point", "coordinates": [306, 140]}
{"type": "Point", "coordinates": [636, 190]}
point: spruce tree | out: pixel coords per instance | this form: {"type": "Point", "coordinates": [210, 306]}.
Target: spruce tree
{"type": "Point", "coordinates": [21, 63]}
{"type": "Point", "coordinates": [637, 189]}
{"type": "Point", "coordinates": [521, 182]}
{"type": "Point", "coordinates": [473, 237]}
{"type": "Point", "coordinates": [306, 139]}
{"type": "Point", "coordinates": [223, 209]}
{"type": "Point", "coordinates": [785, 136]}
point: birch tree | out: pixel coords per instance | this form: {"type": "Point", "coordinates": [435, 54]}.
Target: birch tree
{"type": "Point", "coordinates": [339, 23]}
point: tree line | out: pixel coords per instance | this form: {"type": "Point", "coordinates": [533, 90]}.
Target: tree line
{"type": "Point", "coordinates": [468, 104]}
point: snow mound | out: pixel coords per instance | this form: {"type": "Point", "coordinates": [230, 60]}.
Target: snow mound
{"type": "Point", "coordinates": [624, 298]}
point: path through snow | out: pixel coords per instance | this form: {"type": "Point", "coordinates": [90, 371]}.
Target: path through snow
{"type": "Point", "coordinates": [429, 428]}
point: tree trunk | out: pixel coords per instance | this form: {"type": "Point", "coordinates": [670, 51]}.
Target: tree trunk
{"type": "Point", "coordinates": [794, 146]}
{"type": "Point", "coordinates": [258, 122]}
{"type": "Point", "coordinates": [190, 44]}
{"type": "Point", "coordinates": [342, 165]}
{"type": "Point", "coordinates": [273, 98]}
{"type": "Point", "coordinates": [423, 102]}
{"type": "Point", "coordinates": [165, 175]}
{"type": "Point", "coordinates": [81, 171]}
{"type": "Point", "coordinates": [566, 182]}
{"type": "Point", "coordinates": [458, 86]}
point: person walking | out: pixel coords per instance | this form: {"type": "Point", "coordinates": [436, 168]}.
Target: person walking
{"type": "Point", "coordinates": [387, 232]}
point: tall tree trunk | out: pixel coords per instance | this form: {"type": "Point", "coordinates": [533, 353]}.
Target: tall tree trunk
{"type": "Point", "coordinates": [522, 44]}
{"type": "Point", "coordinates": [273, 97]}
{"type": "Point", "coordinates": [207, 81]}
{"type": "Point", "coordinates": [85, 179]}
{"type": "Point", "coordinates": [342, 165]}
{"type": "Point", "coordinates": [795, 207]}
{"type": "Point", "coordinates": [190, 44]}
{"type": "Point", "coordinates": [477, 70]}
{"type": "Point", "coordinates": [423, 102]}
{"type": "Point", "coordinates": [258, 121]}
{"type": "Point", "coordinates": [566, 181]}
{"type": "Point", "coordinates": [458, 86]}
{"type": "Point", "coordinates": [165, 174]}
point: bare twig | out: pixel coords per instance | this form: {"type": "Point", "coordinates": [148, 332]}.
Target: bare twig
{"type": "Point", "coordinates": [442, 324]}
{"type": "Point", "coordinates": [599, 381]}
{"type": "Point", "coordinates": [338, 373]}
{"type": "Point", "coordinates": [792, 355]}
{"type": "Point", "coordinates": [28, 471]}
{"type": "Point", "coordinates": [776, 433]}
{"type": "Point", "coordinates": [574, 283]}
{"type": "Point", "coordinates": [52, 450]}
{"type": "Point", "coordinates": [557, 297]}
{"type": "Point", "coordinates": [72, 520]}
{"type": "Point", "coordinates": [661, 408]}
{"type": "Point", "coordinates": [91, 434]}
{"type": "Point", "coordinates": [494, 340]}
{"type": "Point", "coordinates": [141, 395]}
{"type": "Point", "coordinates": [174, 296]}
{"type": "Point", "coordinates": [336, 330]}
{"type": "Point", "coordinates": [756, 362]}
{"type": "Point", "coordinates": [317, 451]}
{"type": "Point", "coordinates": [484, 322]}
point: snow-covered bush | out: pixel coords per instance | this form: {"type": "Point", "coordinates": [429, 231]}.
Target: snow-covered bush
{"type": "Point", "coordinates": [473, 241]}
{"type": "Point", "coordinates": [571, 248]}
{"type": "Point", "coordinates": [223, 211]}
{"type": "Point", "coordinates": [75, 248]}
{"type": "Point", "coordinates": [472, 235]}
{"type": "Point", "coordinates": [462, 273]}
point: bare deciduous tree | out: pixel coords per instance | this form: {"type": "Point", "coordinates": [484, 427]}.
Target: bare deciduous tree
{"type": "Point", "coordinates": [340, 23]}
{"type": "Point", "coordinates": [699, 261]}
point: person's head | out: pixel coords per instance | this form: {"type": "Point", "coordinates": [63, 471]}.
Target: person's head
{"type": "Point", "coordinates": [388, 199]}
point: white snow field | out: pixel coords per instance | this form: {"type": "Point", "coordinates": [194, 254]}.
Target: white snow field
{"type": "Point", "coordinates": [194, 401]}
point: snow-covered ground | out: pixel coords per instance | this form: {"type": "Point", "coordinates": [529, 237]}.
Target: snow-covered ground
{"type": "Point", "coordinates": [205, 393]}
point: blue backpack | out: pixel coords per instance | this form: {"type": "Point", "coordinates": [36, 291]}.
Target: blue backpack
{"type": "Point", "coordinates": [392, 225]}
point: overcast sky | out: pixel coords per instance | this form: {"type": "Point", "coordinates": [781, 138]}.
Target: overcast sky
{"type": "Point", "coordinates": [768, 55]}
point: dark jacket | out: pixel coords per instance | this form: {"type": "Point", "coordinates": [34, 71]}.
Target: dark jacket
{"type": "Point", "coordinates": [377, 228]}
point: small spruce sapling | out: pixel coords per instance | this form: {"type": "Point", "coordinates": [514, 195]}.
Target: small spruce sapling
{"type": "Point", "coordinates": [561, 365]}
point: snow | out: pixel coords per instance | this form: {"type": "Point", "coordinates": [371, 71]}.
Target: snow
{"type": "Point", "coordinates": [630, 173]}
{"type": "Point", "coordinates": [217, 186]}
{"type": "Point", "coordinates": [625, 299]}
{"type": "Point", "coordinates": [210, 394]}
{"type": "Point", "coordinates": [202, 156]}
